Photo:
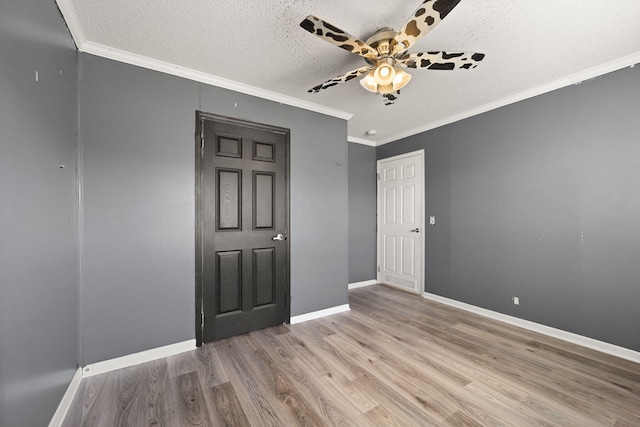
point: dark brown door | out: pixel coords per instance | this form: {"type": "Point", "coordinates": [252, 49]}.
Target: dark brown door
{"type": "Point", "coordinates": [242, 221]}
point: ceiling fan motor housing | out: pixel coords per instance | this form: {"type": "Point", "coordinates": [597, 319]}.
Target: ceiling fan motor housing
{"type": "Point", "coordinates": [381, 41]}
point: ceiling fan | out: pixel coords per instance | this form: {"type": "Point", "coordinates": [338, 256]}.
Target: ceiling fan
{"type": "Point", "coordinates": [386, 51]}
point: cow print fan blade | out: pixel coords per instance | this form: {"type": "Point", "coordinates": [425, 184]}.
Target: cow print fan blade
{"type": "Point", "coordinates": [390, 98]}
{"type": "Point", "coordinates": [340, 79]}
{"type": "Point", "coordinates": [336, 36]}
{"type": "Point", "coordinates": [442, 60]}
{"type": "Point", "coordinates": [423, 20]}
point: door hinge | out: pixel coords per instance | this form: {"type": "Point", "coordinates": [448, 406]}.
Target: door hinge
{"type": "Point", "coordinates": [378, 269]}
{"type": "Point", "coordinates": [202, 316]}
{"type": "Point", "coordinates": [378, 175]}
{"type": "Point", "coordinates": [202, 142]}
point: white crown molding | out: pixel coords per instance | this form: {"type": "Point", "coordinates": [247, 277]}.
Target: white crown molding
{"type": "Point", "coordinates": [137, 358]}
{"type": "Point", "coordinates": [73, 23]}
{"type": "Point", "coordinates": [86, 46]}
{"type": "Point", "coordinates": [603, 347]}
{"type": "Point", "coordinates": [320, 313]}
{"type": "Point", "coordinates": [65, 403]}
{"type": "Point", "coordinates": [362, 141]}
{"type": "Point", "coordinates": [577, 78]}
{"type": "Point", "coordinates": [199, 76]}
{"type": "Point", "coordinates": [357, 285]}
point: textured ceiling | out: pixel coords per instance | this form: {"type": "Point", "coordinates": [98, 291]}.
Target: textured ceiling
{"type": "Point", "coordinates": [530, 47]}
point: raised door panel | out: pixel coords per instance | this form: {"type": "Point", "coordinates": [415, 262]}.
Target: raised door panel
{"type": "Point", "coordinates": [228, 282]}
{"type": "Point", "coordinates": [390, 174]}
{"type": "Point", "coordinates": [228, 146]}
{"type": "Point", "coordinates": [408, 248]}
{"type": "Point", "coordinates": [229, 199]}
{"type": "Point", "coordinates": [264, 151]}
{"type": "Point", "coordinates": [408, 171]}
{"type": "Point", "coordinates": [390, 253]}
{"type": "Point", "coordinates": [264, 277]}
{"type": "Point", "coordinates": [389, 203]}
{"type": "Point", "coordinates": [408, 205]}
{"type": "Point", "coordinates": [263, 200]}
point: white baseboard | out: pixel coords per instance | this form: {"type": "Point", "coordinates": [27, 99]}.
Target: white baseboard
{"type": "Point", "coordinates": [320, 313]}
{"type": "Point", "coordinates": [65, 403]}
{"type": "Point", "coordinates": [136, 358]}
{"type": "Point", "coordinates": [583, 341]}
{"type": "Point", "coordinates": [356, 285]}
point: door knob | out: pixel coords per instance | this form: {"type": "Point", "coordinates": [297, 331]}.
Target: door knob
{"type": "Point", "coordinates": [416, 230]}
{"type": "Point", "coordinates": [279, 237]}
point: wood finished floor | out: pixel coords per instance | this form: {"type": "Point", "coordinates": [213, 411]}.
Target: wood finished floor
{"type": "Point", "coordinates": [393, 360]}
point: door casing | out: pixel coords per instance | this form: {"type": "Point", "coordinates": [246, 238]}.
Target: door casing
{"type": "Point", "coordinates": [199, 227]}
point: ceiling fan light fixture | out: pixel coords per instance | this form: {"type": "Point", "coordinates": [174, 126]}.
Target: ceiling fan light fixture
{"type": "Point", "coordinates": [401, 79]}
{"type": "Point", "coordinates": [384, 89]}
{"type": "Point", "coordinates": [385, 72]}
{"type": "Point", "coordinates": [369, 82]}
{"type": "Point", "coordinates": [385, 78]}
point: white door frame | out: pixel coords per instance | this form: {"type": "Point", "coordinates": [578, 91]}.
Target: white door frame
{"type": "Point", "coordinates": [420, 262]}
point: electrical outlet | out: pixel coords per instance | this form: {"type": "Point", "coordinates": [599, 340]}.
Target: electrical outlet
{"type": "Point", "coordinates": [516, 301]}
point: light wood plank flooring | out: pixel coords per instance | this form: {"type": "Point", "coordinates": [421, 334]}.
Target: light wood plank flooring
{"type": "Point", "coordinates": [393, 360]}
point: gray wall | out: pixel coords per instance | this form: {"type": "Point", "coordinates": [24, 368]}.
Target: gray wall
{"type": "Point", "coordinates": [541, 199]}
{"type": "Point", "coordinates": [38, 239]}
{"type": "Point", "coordinates": [362, 213]}
{"type": "Point", "coordinates": [137, 139]}
{"type": "Point", "coordinates": [136, 136]}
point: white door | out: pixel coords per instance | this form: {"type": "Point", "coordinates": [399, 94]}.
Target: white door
{"type": "Point", "coordinates": [401, 221]}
